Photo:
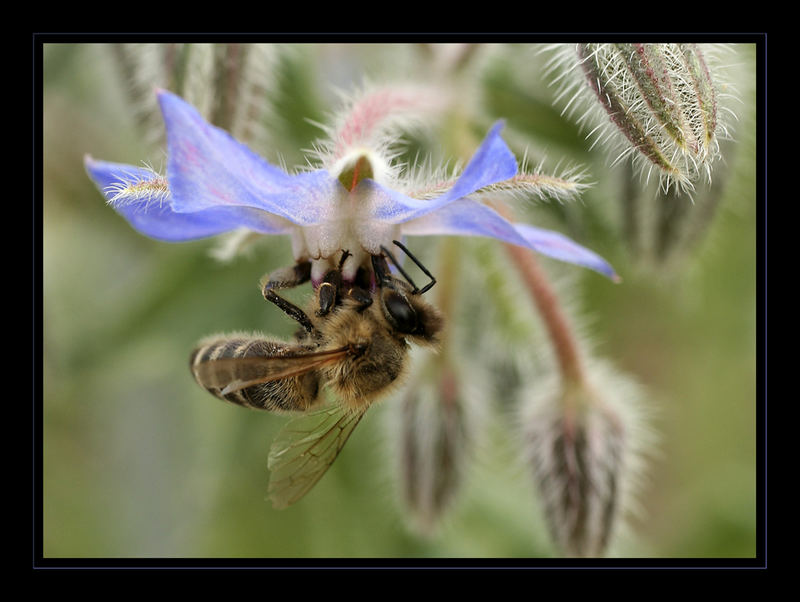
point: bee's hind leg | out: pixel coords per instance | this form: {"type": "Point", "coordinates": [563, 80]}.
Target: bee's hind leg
{"type": "Point", "coordinates": [291, 310]}
{"type": "Point", "coordinates": [289, 277]}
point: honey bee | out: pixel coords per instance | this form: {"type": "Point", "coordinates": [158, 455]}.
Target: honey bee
{"type": "Point", "coordinates": [354, 340]}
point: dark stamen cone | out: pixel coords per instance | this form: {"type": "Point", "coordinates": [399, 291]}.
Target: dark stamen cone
{"type": "Point", "coordinates": [359, 169]}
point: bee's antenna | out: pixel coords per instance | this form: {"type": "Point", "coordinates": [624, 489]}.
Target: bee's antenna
{"type": "Point", "coordinates": [425, 270]}
{"type": "Point", "coordinates": [416, 290]}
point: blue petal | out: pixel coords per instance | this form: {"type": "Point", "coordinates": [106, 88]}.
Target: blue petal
{"type": "Point", "coordinates": [556, 245]}
{"type": "Point", "coordinates": [493, 162]}
{"type": "Point", "coordinates": [469, 218]}
{"type": "Point", "coordinates": [207, 167]}
{"type": "Point", "coordinates": [153, 215]}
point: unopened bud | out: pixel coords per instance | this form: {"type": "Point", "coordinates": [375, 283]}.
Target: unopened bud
{"type": "Point", "coordinates": [583, 452]}
{"type": "Point", "coordinates": [662, 98]}
{"type": "Point", "coordinates": [433, 442]}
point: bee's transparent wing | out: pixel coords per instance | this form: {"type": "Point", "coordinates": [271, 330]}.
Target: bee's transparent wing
{"type": "Point", "coordinates": [304, 449]}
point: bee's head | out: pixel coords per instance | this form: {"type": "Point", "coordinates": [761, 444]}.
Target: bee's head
{"type": "Point", "coordinates": [401, 302]}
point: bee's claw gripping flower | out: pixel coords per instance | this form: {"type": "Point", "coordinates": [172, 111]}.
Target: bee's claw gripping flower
{"type": "Point", "coordinates": [215, 184]}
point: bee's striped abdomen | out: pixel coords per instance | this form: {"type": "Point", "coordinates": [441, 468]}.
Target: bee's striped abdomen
{"type": "Point", "coordinates": [252, 359]}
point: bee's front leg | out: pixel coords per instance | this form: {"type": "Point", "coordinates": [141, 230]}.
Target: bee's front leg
{"type": "Point", "coordinates": [362, 296]}
{"type": "Point", "coordinates": [331, 286]}
{"type": "Point", "coordinates": [328, 291]}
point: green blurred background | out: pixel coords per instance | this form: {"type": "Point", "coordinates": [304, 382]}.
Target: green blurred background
{"type": "Point", "coordinates": [139, 462]}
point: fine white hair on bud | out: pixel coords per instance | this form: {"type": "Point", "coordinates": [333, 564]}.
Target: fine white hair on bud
{"type": "Point", "coordinates": [535, 184]}
{"type": "Point", "coordinates": [657, 103]}
{"type": "Point", "coordinates": [369, 122]}
{"type": "Point", "coordinates": [147, 187]}
{"type": "Point", "coordinates": [423, 181]}
{"type": "Point", "coordinates": [230, 84]}
{"type": "Point", "coordinates": [587, 446]}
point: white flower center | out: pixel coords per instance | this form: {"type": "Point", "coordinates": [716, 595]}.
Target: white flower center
{"type": "Point", "coordinates": [350, 225]}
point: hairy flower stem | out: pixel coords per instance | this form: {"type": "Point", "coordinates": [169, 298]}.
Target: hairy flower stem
{"type": "Point", "coordinates": [439, 367]}
{"type": "Point", "coordinates": [558, 327]}
{"type": "Point", "coordinates": [561, 336]}
{"type": "Point", "coordinates": [449, 265]}
{"type": "Point", "coordinates": [577, 440]}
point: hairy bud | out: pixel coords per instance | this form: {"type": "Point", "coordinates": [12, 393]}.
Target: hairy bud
{"type": "Point", "coordinates": [433, 442]}
{"type": "Point", "coordinates": [585, 454]}
{"type": "Point", "coordinates": [230, 84]}
{"type": "Point", "coordinates": [660, 97]}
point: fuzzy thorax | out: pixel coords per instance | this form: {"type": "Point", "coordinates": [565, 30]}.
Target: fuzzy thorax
{"type": "Point", "coordinates": [361, 380]}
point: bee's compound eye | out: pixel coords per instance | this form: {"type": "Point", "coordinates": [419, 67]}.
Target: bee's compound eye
{"type": "Point", "coordinates": [400, 312]}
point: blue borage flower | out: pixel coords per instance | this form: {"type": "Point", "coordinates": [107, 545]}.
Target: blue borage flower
{"type": "Point", "coordinates": [215, 184]}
